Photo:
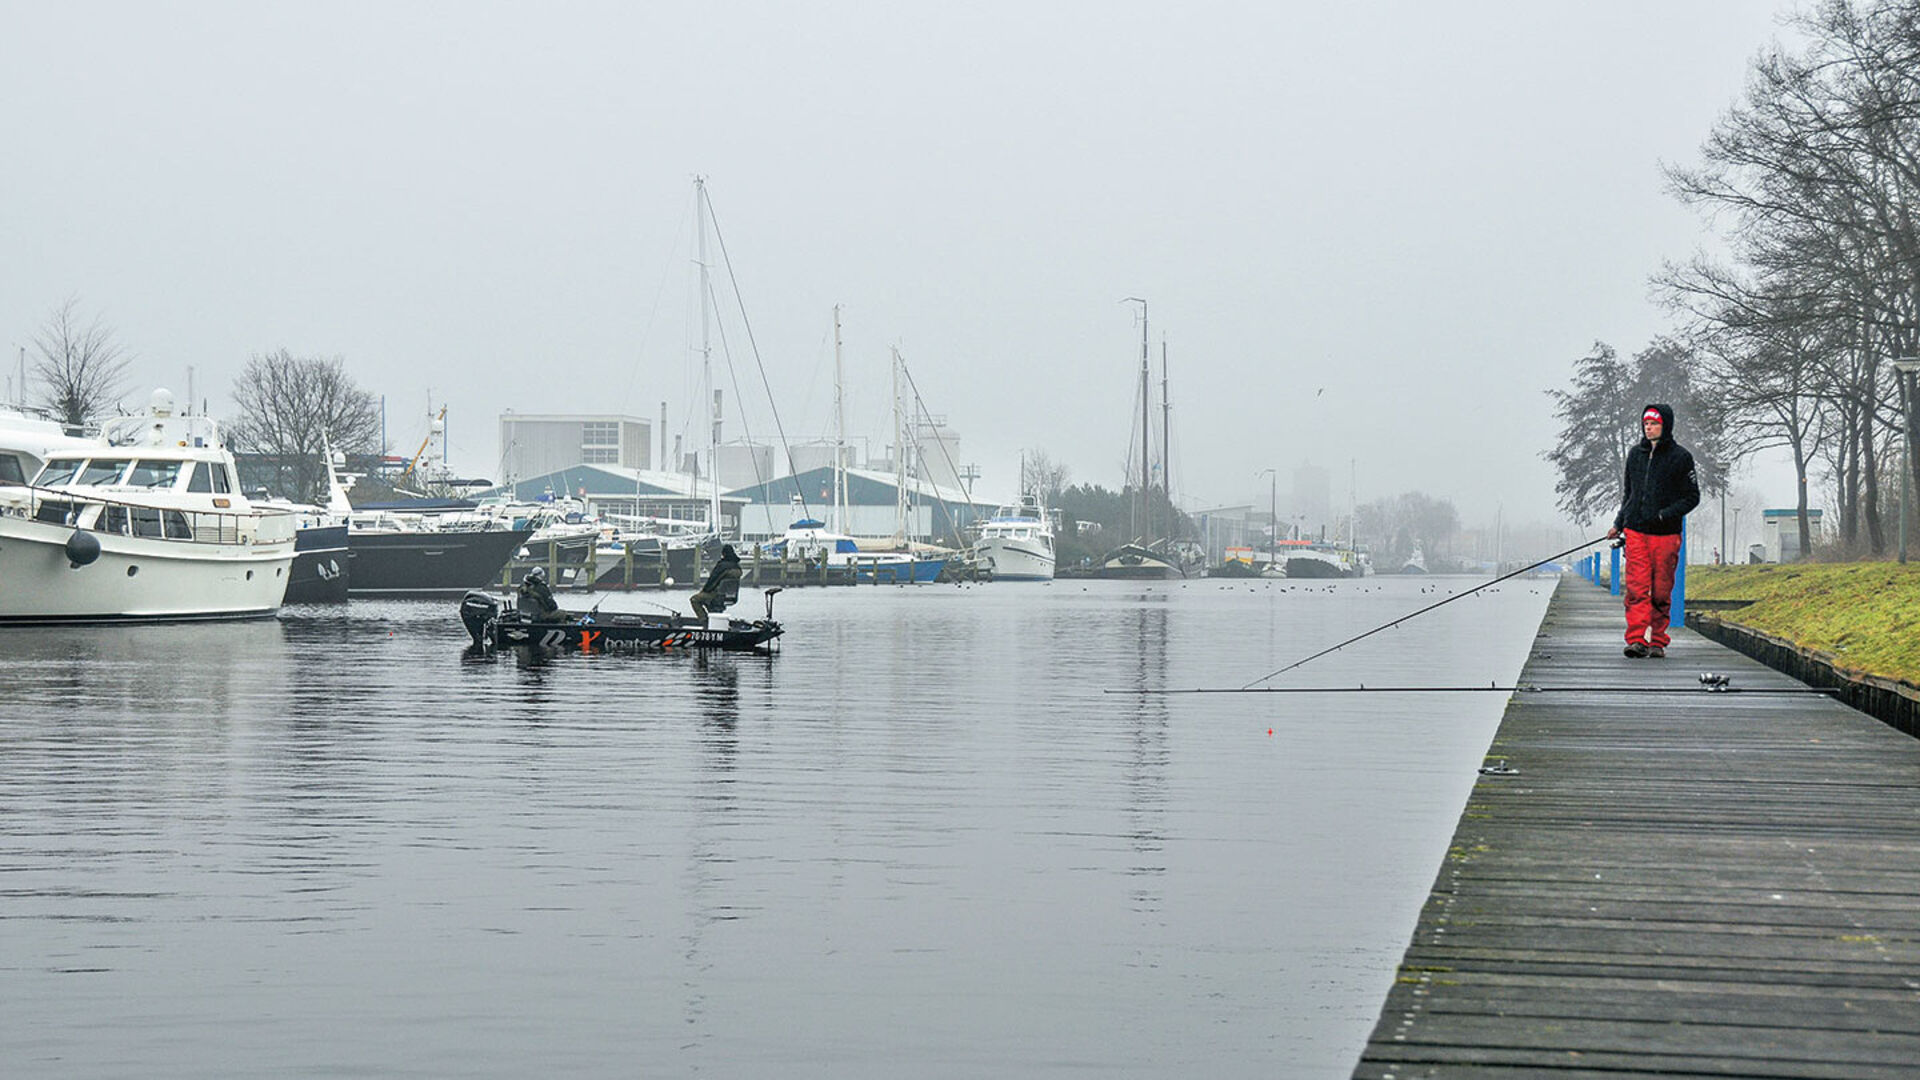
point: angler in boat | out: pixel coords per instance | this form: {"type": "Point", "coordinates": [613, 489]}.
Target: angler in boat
{"type": "Point", "coordinates": [725, 572]}
{"type": "Point", "coordinates": [537, 623]}
{"type": "Point", "coordinates": [536, 599]}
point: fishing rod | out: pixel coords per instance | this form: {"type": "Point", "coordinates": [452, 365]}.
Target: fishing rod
{"type": "Point", "coordinates": [1521, 688]}
{"type": "Point", "coordinates": [1388, 626]}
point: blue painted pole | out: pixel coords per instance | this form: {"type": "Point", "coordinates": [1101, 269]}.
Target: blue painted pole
{"type": "Point", "coordinates": [1678, 611]}
{"type": "Point", "coordinates": [1613, 572]}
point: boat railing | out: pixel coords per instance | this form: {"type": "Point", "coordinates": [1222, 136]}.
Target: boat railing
{"type": "Point", "coordinates": [55, 506]}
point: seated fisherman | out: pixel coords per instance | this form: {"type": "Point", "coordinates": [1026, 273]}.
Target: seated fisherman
{"type": "Point", "coordinates": [728, 568]}
{"type": "Point", "coordinates": [536, 599]}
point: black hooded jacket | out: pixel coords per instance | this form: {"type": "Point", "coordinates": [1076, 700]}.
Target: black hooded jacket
{"type": "Point", "coordinates": [1660, 487]}
{"type": "Point", "coordinates": [728, 566]}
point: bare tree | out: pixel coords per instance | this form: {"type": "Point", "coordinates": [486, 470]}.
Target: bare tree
{"type": "Point", "coordinates": [80, 365]}
{"type": "Point", "coordinates": [1818, 169]}
{"type": "Point", "coordinates": [292, 407]}
{"type": "Point", "coordinates": [1044, 476]}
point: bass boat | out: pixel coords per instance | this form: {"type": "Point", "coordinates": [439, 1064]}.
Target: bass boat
{"type": "Point", "coordinates": [496, 624]}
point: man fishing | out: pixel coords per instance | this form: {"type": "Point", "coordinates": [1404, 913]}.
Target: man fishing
{"type": "Point", "coordinates": [536, 598]}
{"type": "Point", "coordinates": [728, 567]}
{"type": "Point", "coordinates": [1660, 490]}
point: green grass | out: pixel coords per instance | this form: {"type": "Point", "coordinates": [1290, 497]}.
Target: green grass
{"type": "Point", "coordinates": [1866, 616]}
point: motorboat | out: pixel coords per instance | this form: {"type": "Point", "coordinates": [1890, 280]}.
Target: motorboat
{"type": "Point", "coordinates": [27, 437]}
{"type": "Point", "coordinates": [497, 624]}
{"type": "Point", "coordinates": [1016, 543]}
{"type": "Point", "coordinates": [427, 547]}
{"type": "Point", "coordinates": [1305, 559]}
{"type": "Point", "coordinates": [146, 522]}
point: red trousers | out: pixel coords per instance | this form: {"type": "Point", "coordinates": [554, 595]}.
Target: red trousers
{"type": "Point", "coordinates": [1648, 588]}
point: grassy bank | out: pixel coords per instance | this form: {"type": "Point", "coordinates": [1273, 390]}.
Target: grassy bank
{"type": "Point", "coordinates": [1866, 615]}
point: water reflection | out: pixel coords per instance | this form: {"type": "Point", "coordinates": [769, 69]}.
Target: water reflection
{"type": "Point", "coordinates": [1147, 766]}
{"type": "Point", "coordinates": [922, 822]}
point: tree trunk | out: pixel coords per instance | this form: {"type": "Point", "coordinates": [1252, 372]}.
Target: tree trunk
{"type": "Point", "coordinates": [1800, 485]}
{"type": "Point", "coordinates": [1870, 479]}
{"type": "Point", "coordinates": [1849, 477]}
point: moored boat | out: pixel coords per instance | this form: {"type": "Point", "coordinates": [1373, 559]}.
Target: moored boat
{"type": "Point", "coordinates": [495, 624]}
{"type": "Point", "coordinates": [1016, 543]}
{"type": "Point", "coordinates": [145, 523]}
{"type": "Point", "coordinates": [1138, 562]}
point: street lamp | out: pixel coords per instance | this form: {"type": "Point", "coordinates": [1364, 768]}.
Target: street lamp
{"type": "Point", "coordinates": [1903, 367]}
{"type": "Point", "coordinates": [1273, 493]}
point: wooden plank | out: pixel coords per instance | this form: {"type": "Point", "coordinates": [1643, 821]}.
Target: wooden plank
{"type": "Point", "coordinates": [1674, 882]}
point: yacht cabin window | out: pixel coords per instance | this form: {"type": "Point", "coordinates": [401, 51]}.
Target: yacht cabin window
{"type": "Point", "coordinates": [10, 472]}
{"type": "Point", "coordinates": [210, 477]}
{"type": "Point", "coordinates": [59, 471]}
{"type": "Point", "coordinates": [154, 474]}
{"type": "Point", "coordinates": [102, 471]}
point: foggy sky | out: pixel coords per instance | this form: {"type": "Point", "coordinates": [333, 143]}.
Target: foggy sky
{"type": "Point", "coordinates": [1427, 211]}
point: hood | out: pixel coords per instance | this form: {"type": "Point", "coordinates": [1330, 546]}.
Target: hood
{"type": "Point", "coordinates": [1666, 419]}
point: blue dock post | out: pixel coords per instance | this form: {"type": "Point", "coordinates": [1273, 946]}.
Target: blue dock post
{"type": "Point", "coordinates": [1613, 571]}
{"type": "Point", "coordinates": [1677, 611]}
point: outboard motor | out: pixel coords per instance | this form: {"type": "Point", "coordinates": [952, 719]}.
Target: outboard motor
{"type": "Point", "coordinates": [478, 611]}
{"type": "Point", "coordinates": [82, 548]}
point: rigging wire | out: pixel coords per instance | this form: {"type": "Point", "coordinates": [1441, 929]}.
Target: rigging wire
{"type": "Point", "coordinates": [741, 302]}
{"type": "Point", "coordinates": [653, 316]}
{"type": "Point", "coordinates": [951, 467]}
{"type": "Point", "coordinates": [746, 428]}
{"type": "Point", "coordinates": [1423, 611]}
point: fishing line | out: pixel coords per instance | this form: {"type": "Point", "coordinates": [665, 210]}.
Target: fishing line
{"type": "Point", "coordinates": [1424, 610]}
{"type": "Point", "coordinates": [1526, 688]}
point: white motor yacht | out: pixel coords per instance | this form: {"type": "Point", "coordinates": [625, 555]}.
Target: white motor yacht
{"type": "Point", "coordinates": [145, 523]}
{"type": "Point", "coordinates": [27, 436]}
{"type": "Point", "coordinates": [1016, 543]}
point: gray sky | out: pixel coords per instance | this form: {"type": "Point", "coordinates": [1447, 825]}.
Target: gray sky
{"type": "Point", "coordinates": [1427, 209]}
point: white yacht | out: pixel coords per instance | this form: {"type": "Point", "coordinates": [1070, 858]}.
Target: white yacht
{"type": "Point", "coordinates": [27, 436]}
{"type": "Point", "coordinates": [146, 522]}
{"type": "Point", "coordinates": [1016, 543]}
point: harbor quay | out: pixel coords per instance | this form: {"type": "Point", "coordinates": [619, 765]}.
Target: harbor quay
{"type": "Point", "coordinates": [1655, 877]}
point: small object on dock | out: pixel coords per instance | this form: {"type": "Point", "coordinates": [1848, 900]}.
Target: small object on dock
{"type": "Point", "coordinates": [1715, 683]}
{"type": "Point", "coordinates": [1499, 768]}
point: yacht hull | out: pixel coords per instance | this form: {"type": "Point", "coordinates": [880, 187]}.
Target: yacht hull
{"type": "Point", "coordinates": [409, 564]}
{"type": "Point", "coordinates": [1135, 563]}
{"type": "Point", "coordinates": [135, 579]}
{"type": "Point", "coordinates": [319, 572]}
{"type": "Point", "coordinates": [1012, 560]}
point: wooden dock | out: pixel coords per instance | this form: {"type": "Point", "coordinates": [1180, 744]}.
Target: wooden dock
{"type": "Point", "coordinates": [1672, 882]}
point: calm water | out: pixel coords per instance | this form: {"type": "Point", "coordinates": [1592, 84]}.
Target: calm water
{"type": "Point", "coordinates": [920, 841]}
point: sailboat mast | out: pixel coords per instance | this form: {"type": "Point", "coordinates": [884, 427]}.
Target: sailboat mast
{"type": "Point", "coordinates": [1166, 437]}
{"type": "Point", "coordinates": [1146, 439]}
{"type": "Point", "coordinates": [899, 457]}
{"type": "Point", "coordinates": [706, 359]}
{"type": "Point", "coordinates": [840, 429]}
